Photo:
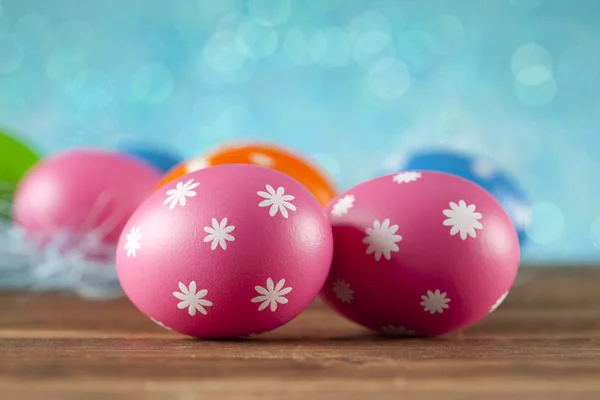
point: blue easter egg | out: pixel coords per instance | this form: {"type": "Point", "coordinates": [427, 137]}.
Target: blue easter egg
{"type": "Point", "coordinates": [481, 172]}
{"type": "Point", "coordinates": [159, 158]}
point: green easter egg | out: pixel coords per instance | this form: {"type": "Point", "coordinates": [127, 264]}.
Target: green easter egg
{"type": "Point", "coordinates": [16, 158]}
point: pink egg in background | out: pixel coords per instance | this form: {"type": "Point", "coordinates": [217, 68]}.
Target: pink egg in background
{"type": "Point", "coordinates": [224, 252]}
{"type": "Point", "coordinates": [419, 254]}
{"type": "Point", "coordinates": [82, 193]}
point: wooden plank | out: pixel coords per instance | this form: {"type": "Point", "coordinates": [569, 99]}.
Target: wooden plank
{"type": "Point", "coordinates": [543, 342]}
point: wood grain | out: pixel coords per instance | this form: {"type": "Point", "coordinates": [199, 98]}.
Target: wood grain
{"type": "Point", "coordinates": [542, 343]}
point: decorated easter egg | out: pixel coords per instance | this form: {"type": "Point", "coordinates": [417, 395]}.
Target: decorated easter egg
{"type": "Point", "coordinates": [419, 253]}
{"type": "Point", "coordinates": [16, 158]}
{"type": "Point", "coordinates": [308, 174]}
{"type": "Point", "coordinates": [224, 252]}
{"type": "Point", "coordinates": [484, 173]}
{"type": "Point", "coordinates": [82, 194]}
{"type": "Point", "coordinates": [159, 157]}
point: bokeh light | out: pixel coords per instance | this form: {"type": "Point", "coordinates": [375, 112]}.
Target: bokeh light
{"type": "Point", "coordinates": [531, 64]}
{"type": "Point", "coordinates": [152, 83]}
{"type": "Point", "coordinates": [358, 85]}
{"type": "Point", "coordinates": [89, 91]}
{"type": "Point", "coordinates": [11, 54]}
{"type": "Point", "coordinates": [75, 36]}
{"type": "Point", "coordinates": [305, 45]}
{"type": "Point", "coordinates": [33, 32]}
{"type": "Point", "coordinates": [448, 34]}
{"type": "Point", "coordinates": [222, 53]}
{"type": "Point", "coordinates": [337, 47]}
{"type": "Point", "coordinates": [73, 41]}
{"type": "Point", "coordinates": [256, 40]}
{"type": "Point", "coordinates": [388, 79]}
{"type": "Point", "coordinates": [269, 12]}
{"type": "Point", "coordinates": [209, 9]}
{"type": "Point", "coordinates": [546, 223]}
{"type": "Point", "coordinates": [324, 5]}
{"type": "Point", "coordinates": [417, 48]}
{"type": "Point", "coordinates": [536, 95]}
{"type": "Point", "coordinates": [370, 35]}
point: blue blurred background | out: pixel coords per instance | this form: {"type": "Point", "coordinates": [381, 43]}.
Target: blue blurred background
{"type": "Point", "coordinates": [356, 84]}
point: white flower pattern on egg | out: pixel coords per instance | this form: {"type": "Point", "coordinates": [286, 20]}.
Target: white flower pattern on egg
{"type": "Point", "coordinates": [463, 219]}
{"type": "Point", "coordinates": [271, 295]}
{"type": "Point", "coordinates": [381, 239]}
{"type": "Point", "coordinates": [435, 302]}
{"type": "Point", "coordinates": [192, 300]}
{"type": "Point", "coordinates": [343, 205]}
{"type": "Point", "coordinates": [219, 234]}
{"type": "Point", "coordinates": [132, 241]}
{"type": "Point", "coordinates": [277, 201]}
{"type": "Point", "coordinates": [180, 194]}
{"type": "Point", "coordinates": [407, 177]}
{"type": "Point", "coordinates": [343, 291]}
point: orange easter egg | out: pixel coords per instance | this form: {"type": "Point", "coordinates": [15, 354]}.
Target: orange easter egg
{"type": "Point", "coordinates": [308, 174]}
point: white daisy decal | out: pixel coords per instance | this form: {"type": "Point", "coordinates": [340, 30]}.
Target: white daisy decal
{"type": "Point", "coordinates": [435, 302]}
{"type": "Point", "coordinates": [397, 331]}
{"type": "Point", "coordinates": [382, 239]}
{"type": "Point", "coordinates": [161, 324]}
{"type": "Point", "coordinates": [277, 200]}
{"type": "Point", "coordinates": [343, 291]}
{"type": "Point", "coordinates": [406, 177]}
{"type": "Point", "coordinates": [342, 206]}
{"type": "Point", "coordinates": [498, 302]}
{"type": "Point", "coordinates": [219, 234]}
{"type": "Point", "coordinates": [462, 218]}
{"type": "Point", "coordinates": [132, 241]}
{"type": "Point", "coordinates": [180, 194]}
{"type": "Point", "coordinates": [192, 300]}
{"type": "Point", "coordinates": [271, 295]}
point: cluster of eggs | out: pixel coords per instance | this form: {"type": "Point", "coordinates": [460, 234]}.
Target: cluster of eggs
{"type": "Point", "coordinates": [240, 241]}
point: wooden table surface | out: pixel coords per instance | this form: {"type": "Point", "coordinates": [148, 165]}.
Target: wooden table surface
{"type": "Point", "coordinates": [542, 343]}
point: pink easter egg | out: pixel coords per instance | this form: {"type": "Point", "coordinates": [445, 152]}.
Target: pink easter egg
{"type": "Point", "coordinates": [82, 193]}
{"type": "Point", "coordinates": [419, 254]}
{"type": "Point", "coordinates": [227, 251]}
